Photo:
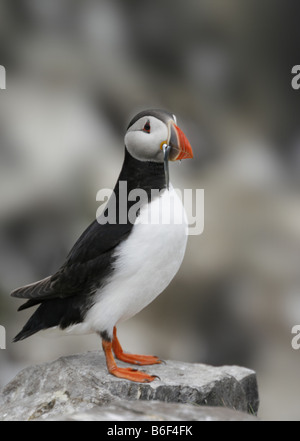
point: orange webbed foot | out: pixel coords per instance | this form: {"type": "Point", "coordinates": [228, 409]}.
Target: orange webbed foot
{"type": "Point", "coordinates": [140, 360]}
{"type": "Point", "coordinates": [127, 373]}
{"type": "Point", "coordinates": [132, 375]}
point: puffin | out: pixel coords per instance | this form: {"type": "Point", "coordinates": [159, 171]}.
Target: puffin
{"type": "Point", "coordinates": [127, 256]}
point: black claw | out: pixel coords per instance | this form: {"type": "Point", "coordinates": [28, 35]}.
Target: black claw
{"type": "Point", "coordinates": [158, 359]}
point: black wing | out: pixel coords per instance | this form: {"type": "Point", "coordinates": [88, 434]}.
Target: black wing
{"type": "Point", "coordinates": [87, 264]}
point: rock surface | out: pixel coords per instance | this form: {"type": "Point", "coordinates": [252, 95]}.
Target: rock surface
{"type": "Point", "coordinates": [152, 411]}
{"type": "Point", "coordinates": [78, 387]}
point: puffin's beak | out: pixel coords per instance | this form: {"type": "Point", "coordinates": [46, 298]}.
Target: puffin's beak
{"type": "Point", "coordinates": [175, 148]}
{"type": "Point", "coordinates": [180, 146]}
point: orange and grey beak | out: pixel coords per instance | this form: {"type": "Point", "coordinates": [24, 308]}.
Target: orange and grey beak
{"type": "Point", "coordinates": [180, 146]}
{"type": "Point", "coordinates": [177, 147]}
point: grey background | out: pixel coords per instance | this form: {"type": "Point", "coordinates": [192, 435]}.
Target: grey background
{"type": "Point", "coordinates": [76, 74]}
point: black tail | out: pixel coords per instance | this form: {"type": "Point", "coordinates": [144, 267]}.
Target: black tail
{"type": "Point", "coordinates": [26, 332]}
{"type": "Point", "coordinates": [54, 312]}
{"type": "Point", "coordinates": [31, 327]}
{"type": "Point", "coordinates": [47, 315]}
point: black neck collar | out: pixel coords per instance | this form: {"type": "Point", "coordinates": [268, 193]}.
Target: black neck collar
{"type": "Point", "coordinates": [142, 174]}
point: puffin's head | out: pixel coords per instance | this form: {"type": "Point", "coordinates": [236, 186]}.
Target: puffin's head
{"type": "Point", "coordinates": [153, 135]}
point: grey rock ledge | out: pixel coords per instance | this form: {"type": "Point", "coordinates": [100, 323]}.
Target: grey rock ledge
{"type": "Point", "coordinates": [78, 387]}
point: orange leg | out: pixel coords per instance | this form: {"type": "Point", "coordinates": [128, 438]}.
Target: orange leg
{"type": "Point", "coordinates": [126, 373]}
{"type": "Point", "coordinates": [139, 360]}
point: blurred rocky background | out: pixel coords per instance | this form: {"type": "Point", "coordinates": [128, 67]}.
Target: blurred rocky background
{"type": "Point", "coordinates": [76, 74]}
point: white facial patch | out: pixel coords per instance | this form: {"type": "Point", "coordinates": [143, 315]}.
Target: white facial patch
{"type": "Point", "coordinates": [144, 145]}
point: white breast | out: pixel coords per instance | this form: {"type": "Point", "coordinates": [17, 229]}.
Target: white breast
{"type": "Point", "coordinates": [145, 263]}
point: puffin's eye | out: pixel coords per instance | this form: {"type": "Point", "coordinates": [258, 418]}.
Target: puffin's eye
{"type": "Point", "coordinates": [147, 127]}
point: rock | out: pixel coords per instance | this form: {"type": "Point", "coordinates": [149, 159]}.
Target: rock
{"type": "Point", "coordinates": [151, 411]}
{"type": "Point", "coordinates": [79, 387]}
